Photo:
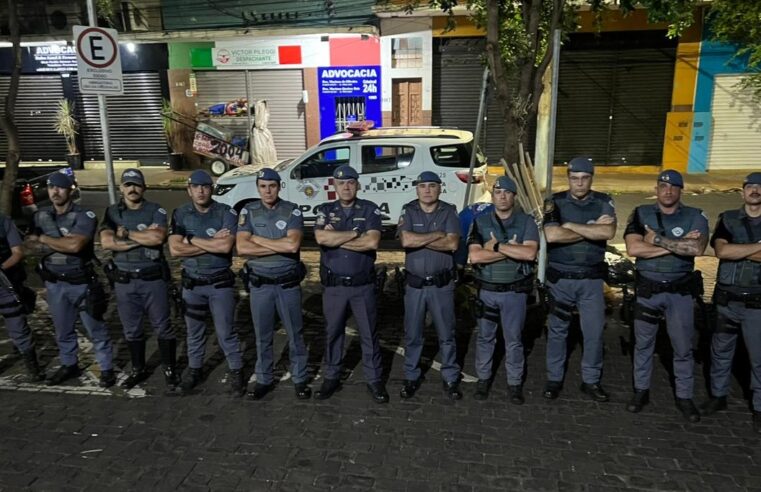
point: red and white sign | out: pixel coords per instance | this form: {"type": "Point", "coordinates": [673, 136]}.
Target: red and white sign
{"type": "Point", "coordinates": [98, 61]}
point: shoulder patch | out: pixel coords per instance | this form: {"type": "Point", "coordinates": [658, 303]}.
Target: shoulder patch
{"type": "Point", "coordinates": [377, 211]}
{"type": "Point", "coordinates": [704, 215]}
{"type": "Point", "coordinates": [162, 211]}
{"type": "Point", "coordinates": [244, 211]}
{"type": "Point", "coordinates": [296, 212]}
{"type": "Point", "coordinates": [549, 206]}
{"type": "Point", "coordinates": [232, 211]}
{"type": "Point", "coordinates": [90, 214]}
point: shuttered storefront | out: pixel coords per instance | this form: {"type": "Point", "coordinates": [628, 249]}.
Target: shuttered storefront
{"type": "Point", "coordinates": [612, 105]}
{"type": "Point", "coordinates": [736, 130]}
{"type": "Point", "coordinates": [457, 77]}
{"type": "Point", "coordinates": [282, 89]}
{"type": "Point", "coordinates": [35, 115]}
{"type": "Point", "coordinates": [134, 119]}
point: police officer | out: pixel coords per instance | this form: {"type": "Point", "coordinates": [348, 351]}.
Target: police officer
{"type": "Point", "coordinates": [270, 233]}
{"type": "Point", "coordinates": [348, 231]}
{"type": "Point", "coordinates": [665, 238]}
{"type": "Point", "coordinates": [12, 296]}
{"type": "Point", "coordinates": [64, 234]}
{"type": "Point", "coordinates": [502, 246]}
{"type": "Point", "coordinates": [737, 296]}
{"type": "Point", "coordinates": [577, 224]}
{"type": "Point", "coordinates": [135, 231]}
{"type": "Point", "coordinates": [202, 233]}
{"type": "Point", "coordinates": [429, 230]}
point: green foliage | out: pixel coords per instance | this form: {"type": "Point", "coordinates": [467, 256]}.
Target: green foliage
{"type": "Point", "coordinates": [66, 124]}
{"type": "Point", "coordinates": [738, 22]}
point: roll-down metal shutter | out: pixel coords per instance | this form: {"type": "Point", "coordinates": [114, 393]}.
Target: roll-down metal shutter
{"type": "Point", "coordinates": [35, 116]}
{"type": "Point", "coordinates": [736, 129]}
{"type": "Point", "coordinates": [134, 120]}
{"type": "Point", "coordinates": [282, 89]}
{"type": "Point", "coordinates": [457, 77]}
{"type": "Point", "coordinates": [612, 105]}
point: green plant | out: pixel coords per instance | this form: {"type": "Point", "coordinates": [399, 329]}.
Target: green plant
{"type": "Point", "coordinates": [172, 128]}
{"type": "Point", "coordinates": [67, 125]}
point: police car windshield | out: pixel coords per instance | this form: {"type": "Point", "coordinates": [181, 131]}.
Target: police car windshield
{"type": "Point", "coordinates": [283, 165]}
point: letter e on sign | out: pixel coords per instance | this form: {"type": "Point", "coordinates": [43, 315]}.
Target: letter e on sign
{"type": "Point", "coordinates": [98, 61]}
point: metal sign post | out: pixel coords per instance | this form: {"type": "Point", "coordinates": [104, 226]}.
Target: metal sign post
{"type": "Point", "coordinates": [477, 136]}
{"type": "Point", "coordinates": [98, 53]}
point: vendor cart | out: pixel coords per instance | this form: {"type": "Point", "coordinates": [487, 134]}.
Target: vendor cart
{"type": "Point", "coordinates": [219, 148]}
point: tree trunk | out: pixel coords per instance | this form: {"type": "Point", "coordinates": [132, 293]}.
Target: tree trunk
{"type": "Point", "coordinates": [513, 134]}
{"type": "Point", "coordinates": [13, 156]}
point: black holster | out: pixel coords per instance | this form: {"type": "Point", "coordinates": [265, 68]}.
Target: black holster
{"type": "Point", "coordinates": [722, 297]}
{"type": "Point", "coordinates": [287, 281]}
{"type": "Point", "coordinates": [690, 284]}
{"type": "Point", "coordinates": [95, 302]}
{"type": "Point", "coordinates": [439, 279]}
{"type": "Point", "coordinates": [221, 280]}
{"type": "Point", "coordinates": [521, 286]}
{"type": "Point", "coordinates": [330, 279]}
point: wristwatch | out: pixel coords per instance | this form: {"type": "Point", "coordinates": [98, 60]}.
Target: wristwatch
{"type": "Point", "coordinates": [126, 233]}
{"type": "Point", "coordinates": [657, 240]}
{"type": "Point", "coordinates": [357, 232]}
{"type": "Point", "coordinates": [496, 247]}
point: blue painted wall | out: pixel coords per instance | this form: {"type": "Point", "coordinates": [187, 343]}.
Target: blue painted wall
{"type": "Point", "coordinates": [715, 59]}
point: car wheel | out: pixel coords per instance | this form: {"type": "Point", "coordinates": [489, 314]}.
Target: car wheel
{"type": "Point", "coordinates": [218, 167]}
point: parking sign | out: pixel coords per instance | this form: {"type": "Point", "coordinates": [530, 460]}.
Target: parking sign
{"type": "Point", "coordinates": [98, 61]}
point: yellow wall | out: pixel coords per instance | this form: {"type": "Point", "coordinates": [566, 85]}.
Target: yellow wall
{"type": "Point", "coordinates": [676, 143]}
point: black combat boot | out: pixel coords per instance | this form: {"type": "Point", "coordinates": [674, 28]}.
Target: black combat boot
{"type": "Point", "coordinates": [32, 366]}
{"type": "Point", "coordinates": [62, 374]}
{"type": "Point", "coordinates": [193, 379]}
{"type": "Point", "coordinates": [137, 355]}
{"type": "Point", "coordinates": [168, 351]}
{"type": "Point", "coordinates": [715, 404]}
{"type": "Point", "coordinates": [237, 382]}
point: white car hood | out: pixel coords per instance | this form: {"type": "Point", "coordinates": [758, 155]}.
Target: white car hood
{"type": "Point", "coordinates": [242, 173]}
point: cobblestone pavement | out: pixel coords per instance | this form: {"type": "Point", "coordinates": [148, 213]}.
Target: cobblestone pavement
{"type": "Point", "coordinates": [79, 437]}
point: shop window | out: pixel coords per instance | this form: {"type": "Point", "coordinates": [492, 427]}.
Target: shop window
{"type": "Point", "coordinates": [406, 52]}
{"type": "Point", "coordinates": [385, 158]}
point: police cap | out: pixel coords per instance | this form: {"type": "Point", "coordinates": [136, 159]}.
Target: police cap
{"type": "Point", "coordinates": [200, 177]}
{"type": "Point", "coordinates": [505, 183]}
{"type": "Point", "coordinates": [752, 179]}
{"type": "Point", "coordinates": [581, 165]}
{"type": "Point", "coordinates": [268, 174]}
{"type": "Point", "coordinates": [60, 180]}
{"type": "Point", "coordinates": [345, 172]}
{"type": "Point", "coordinates": [134, 176]}
{"type": "Point", "coordinates": [674, 178]}
{"type": "Point", "coordinates": [427, 177]}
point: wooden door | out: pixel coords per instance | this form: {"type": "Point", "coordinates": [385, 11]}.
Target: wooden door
{"type": "Point", "coordinates": [407, 102]}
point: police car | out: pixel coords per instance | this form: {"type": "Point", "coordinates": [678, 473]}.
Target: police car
{"type": "Point", "coordinates": [388, 161]}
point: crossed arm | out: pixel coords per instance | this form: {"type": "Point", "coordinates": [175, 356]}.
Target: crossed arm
{"type": "Point", "coordinates": [651, 245]}
{"type": "Point", "coordinates": [437, 241]}
{"type": "Point", "coordinates": [486, 254]}
{"type": "Point", "coordinates": [603, 229]}
{"type": "Point", "coordinates": [154, 235]}
{"type": "Point", "coordinates": [729, 251]}
{"type": "Point", "coordinates": [250, 245]}
{"type": "Point", "coordinates": [70, 244]}
{"type": "Point", "coordinates": [221, 243]}
{"type": "Point", "coordinates": [330, 238]}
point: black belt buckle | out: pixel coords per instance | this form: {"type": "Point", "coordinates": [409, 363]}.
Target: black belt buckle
{"type": "Point", "coordinates": [428, 281]}
{"type": "Point", "coordinates": [345, 281]}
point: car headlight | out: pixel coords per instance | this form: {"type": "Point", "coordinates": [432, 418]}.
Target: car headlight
{"type": "Point", "coordinates": [221, 189]}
